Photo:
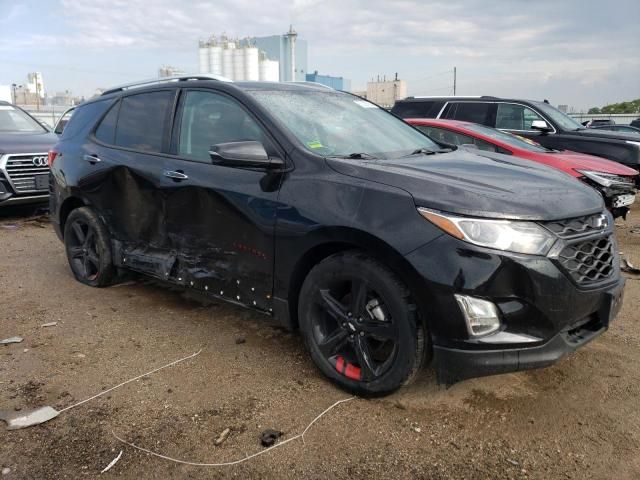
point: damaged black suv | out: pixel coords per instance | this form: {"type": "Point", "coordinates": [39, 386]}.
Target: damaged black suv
{"type": "Point", "coordinates": [327, 213]}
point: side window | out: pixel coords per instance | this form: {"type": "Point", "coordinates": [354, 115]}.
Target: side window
{"type": "Point", "coordinates": [208, 119]}
{"type": "Point", "coordinates": [486, 146]}
{"type": "Point", "coordinates": [445, 136]}
{"type": "Point", "coordinates": [475, 112]}
{"type": "Point", "coordinates": [106, 131]}
{"type": "Point", "coordinates": [63, 121]}
{"type": "Point", "coordinates": [143, 121]}
{"type": "Point", "coordinates": [84, 117]}
{"type": "Point", "coordinates": [418, 109]}
{"type": "Point", "coordinates": [515, 117]}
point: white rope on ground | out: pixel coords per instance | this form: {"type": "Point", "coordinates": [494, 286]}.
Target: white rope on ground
{"type": "Point", "coordinates": [235, 462]}
{"type": "Point", "coordinates": [130, 380]}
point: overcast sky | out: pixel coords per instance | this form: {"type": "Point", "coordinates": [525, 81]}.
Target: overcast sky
{"type": "Point", "coordinates": [578, 52]}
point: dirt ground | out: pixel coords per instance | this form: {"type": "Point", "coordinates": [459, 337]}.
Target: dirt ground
{"type": "Point", "coordinates": [578, 419]}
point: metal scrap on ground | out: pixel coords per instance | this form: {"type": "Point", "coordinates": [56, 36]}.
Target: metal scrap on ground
{"type": "Point", "coordinates": [7, 341]}
{"type": "Point", "coordinates": [112, 463]}
{"type": "Point", "coordinates": [241, 460]}
{"type": "Point", "coordinates": [44, 414]}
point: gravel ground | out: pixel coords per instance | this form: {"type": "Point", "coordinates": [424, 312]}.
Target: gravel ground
{"type": "Point", "coordinates": [577, 419]}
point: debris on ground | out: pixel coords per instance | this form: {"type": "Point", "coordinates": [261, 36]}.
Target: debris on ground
{"type": "Point", "coordinates": [240, 340]}
{"type": "Point", "coordinates": [50, 324]}
{"type": "Point", "coordinates": [235, 462]}
{"type": "Point", "coordinates": [223, 436]}
{"type": "Point", "coordinates": [7, 341]}
{"type": "Point", "coordinates": [44, 414]}
{"type": "Point", "coordinates": [269, 437]}
{"type": "Point", "coordinates": [628, 267]}
{"type": "Point", "coordinates": [29, 418]}
{"type": "Point", "coordinates": [112, 463]}
{"type": "Point", "coordinates": [10, 226]}
{"type": "Point", "coordinates": [6, 471]}
{"type": "Point", "coordinates": [513, 462]}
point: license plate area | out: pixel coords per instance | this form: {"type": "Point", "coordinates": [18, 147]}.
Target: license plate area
{"type": "Point", "coordinates": [42, 182]}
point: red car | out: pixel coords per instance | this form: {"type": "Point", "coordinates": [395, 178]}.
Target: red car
{"type": "Point", "coordinates": [617, 183]}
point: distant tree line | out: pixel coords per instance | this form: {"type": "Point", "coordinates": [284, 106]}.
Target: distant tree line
{"type": "Point", "coordinates": [623, 107]}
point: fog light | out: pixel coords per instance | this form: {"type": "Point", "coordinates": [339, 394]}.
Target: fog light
{"type": "Point", "coordinates": [481, 315]}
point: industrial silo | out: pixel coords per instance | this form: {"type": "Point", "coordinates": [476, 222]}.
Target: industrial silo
{"type": "Point", "coordinates": [238, 64]}
{"type": "Point", "coordinates": [215, 58]}
{"type": "Point", "coordinates": [203, 57]}
{"type": "Point", "coordinates": [227, 59]}
{"type": "Point", "coordinates": [251, 64]}
{"type": "Point", "coordinates": [269, 70]}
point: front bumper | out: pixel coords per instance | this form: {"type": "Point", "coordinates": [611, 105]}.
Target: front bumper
{"type": "Point", "coordinates": [545, 312]}
{"type": "Point", "coordinates": [454, 364]}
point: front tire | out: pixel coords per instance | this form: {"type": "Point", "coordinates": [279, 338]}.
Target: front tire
{"type": "Point", "coordinates": [88, 247]}
{"type": "Point", "coordinates": [360, 324]}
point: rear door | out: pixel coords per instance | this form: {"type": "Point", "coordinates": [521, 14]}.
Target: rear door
{"type": "Point", "coordinates": [220, 220]}
{"type": "Point", "coordinates": [129, 152]}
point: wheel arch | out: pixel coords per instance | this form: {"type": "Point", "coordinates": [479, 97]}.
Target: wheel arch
{"type": "Point", "coordinates": [326, 243]}
{"type": "Point", "coordinates": [69, 205]}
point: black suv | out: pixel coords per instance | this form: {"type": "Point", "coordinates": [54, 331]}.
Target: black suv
{"type": "Point", "coordinates": [24, 144]}
{"type": "Point", "coordinates": [327, 213]}
{"type": "Point", "coordinates": [532, 119]}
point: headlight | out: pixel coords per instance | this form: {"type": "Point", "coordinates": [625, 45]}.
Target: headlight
{"type": "Point", "coordinates": [508, 235]}
{"type": "Point", "coordinates": [606, 179]}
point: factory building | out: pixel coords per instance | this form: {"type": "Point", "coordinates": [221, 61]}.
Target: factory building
{"type": "Point", "coordinates": [385, 92]}
{"type": "Point", "coordinates": [289, 51]}
{"type": "Point", "coordinates": [168, 71]}
{"type": "Point", "coordinates": [337, 83]}
{"type": "Point", "coordinates": [236, 59]}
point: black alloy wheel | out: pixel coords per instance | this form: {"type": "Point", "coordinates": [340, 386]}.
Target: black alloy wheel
{"type": "Point", "coordinates": [88, 248]}
{"type": "Point", "coordinates": [360, 325]}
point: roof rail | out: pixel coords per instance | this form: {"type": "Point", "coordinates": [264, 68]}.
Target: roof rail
{"type": "Point", "coordinates": [316, 84]}
{"type": "Point", "coordinates": [157, 81]}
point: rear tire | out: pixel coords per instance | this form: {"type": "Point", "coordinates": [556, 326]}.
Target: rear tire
{"type": "Point", "coordinates": [360, 324]}
{"type": "Point", "coordinates": [88, 246]}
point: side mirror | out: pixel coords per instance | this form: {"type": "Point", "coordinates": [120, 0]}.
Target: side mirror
{"type": "Point", "coordinates": [242, 154]}
{"type": "Point", "coordinates": [541, 126]}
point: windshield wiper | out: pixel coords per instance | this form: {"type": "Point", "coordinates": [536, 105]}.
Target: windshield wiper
{"type": "Point", "coordinates": [356, 155]}
{"type": "Point", "coordinates": [426, 151]}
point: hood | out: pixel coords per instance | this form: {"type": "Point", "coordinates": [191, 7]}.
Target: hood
{"type": "Point", "coordinates": [489, 185]}
{"type": "Point", "coordinates": [27, 142]}
{"type": "Point", "coordinates": [607, 134]}
{"type": "Point", "coordinates": [581, 161]}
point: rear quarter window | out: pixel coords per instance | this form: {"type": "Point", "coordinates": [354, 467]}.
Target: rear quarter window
{"type": "Point", "coordinates": [84, 118]}
{"type": "Point", "coordinates": [474, 112]}
{"type": "Point", "coordinates": [418, 109]}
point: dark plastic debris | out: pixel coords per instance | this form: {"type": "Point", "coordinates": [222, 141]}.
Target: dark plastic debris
{"type": "Point", "coordinates": [269, 437]}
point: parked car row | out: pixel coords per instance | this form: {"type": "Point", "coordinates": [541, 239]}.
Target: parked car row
{"type": "Point", "coordinates": [616, 182]}
{"type": "Point", "coordinates": [386, 248]}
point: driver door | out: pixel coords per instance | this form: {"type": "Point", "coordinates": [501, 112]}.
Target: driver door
{"type": "Point", "coordinates": [219, 219]}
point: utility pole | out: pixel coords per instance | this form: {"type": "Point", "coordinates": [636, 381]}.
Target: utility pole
{"type": "Point", "coordinates": [38, 94]}
{"type": "Point", "coordinates": [454, 81]}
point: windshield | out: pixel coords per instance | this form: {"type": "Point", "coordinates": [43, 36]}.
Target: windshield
{"type": "Point", "coordinates": [563, 120]}
{"type": "Point", "coordinates": [513, 140]}
{"type": "Point", "coordinates": [337, 124]}
{"type": "Point", "coordinates": [15, 120]}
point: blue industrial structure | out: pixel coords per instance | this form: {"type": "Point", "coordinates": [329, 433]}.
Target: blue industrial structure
{"type": "Point", "coordinates": [282, 48]}
{"type": "Point", "coordinates": [337, 83]}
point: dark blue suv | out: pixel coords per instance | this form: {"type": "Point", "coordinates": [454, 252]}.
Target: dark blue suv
{"type": "Point", "coordinates": [331, 215]}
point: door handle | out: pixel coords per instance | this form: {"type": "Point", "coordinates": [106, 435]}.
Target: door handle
{"type": "Point", "coordinates": [175, 174]}
{"type": "Point", "coordinates": [92, 158]}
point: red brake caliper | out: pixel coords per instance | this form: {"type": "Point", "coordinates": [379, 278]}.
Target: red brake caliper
{"type": "Point", "coordinates": [349, 370]}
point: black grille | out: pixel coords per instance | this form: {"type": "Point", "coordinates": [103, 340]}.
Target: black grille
{"type": "Point", "coordinates": [578, 226]}
{"type": "Point", "coordinates": [590, 261]}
